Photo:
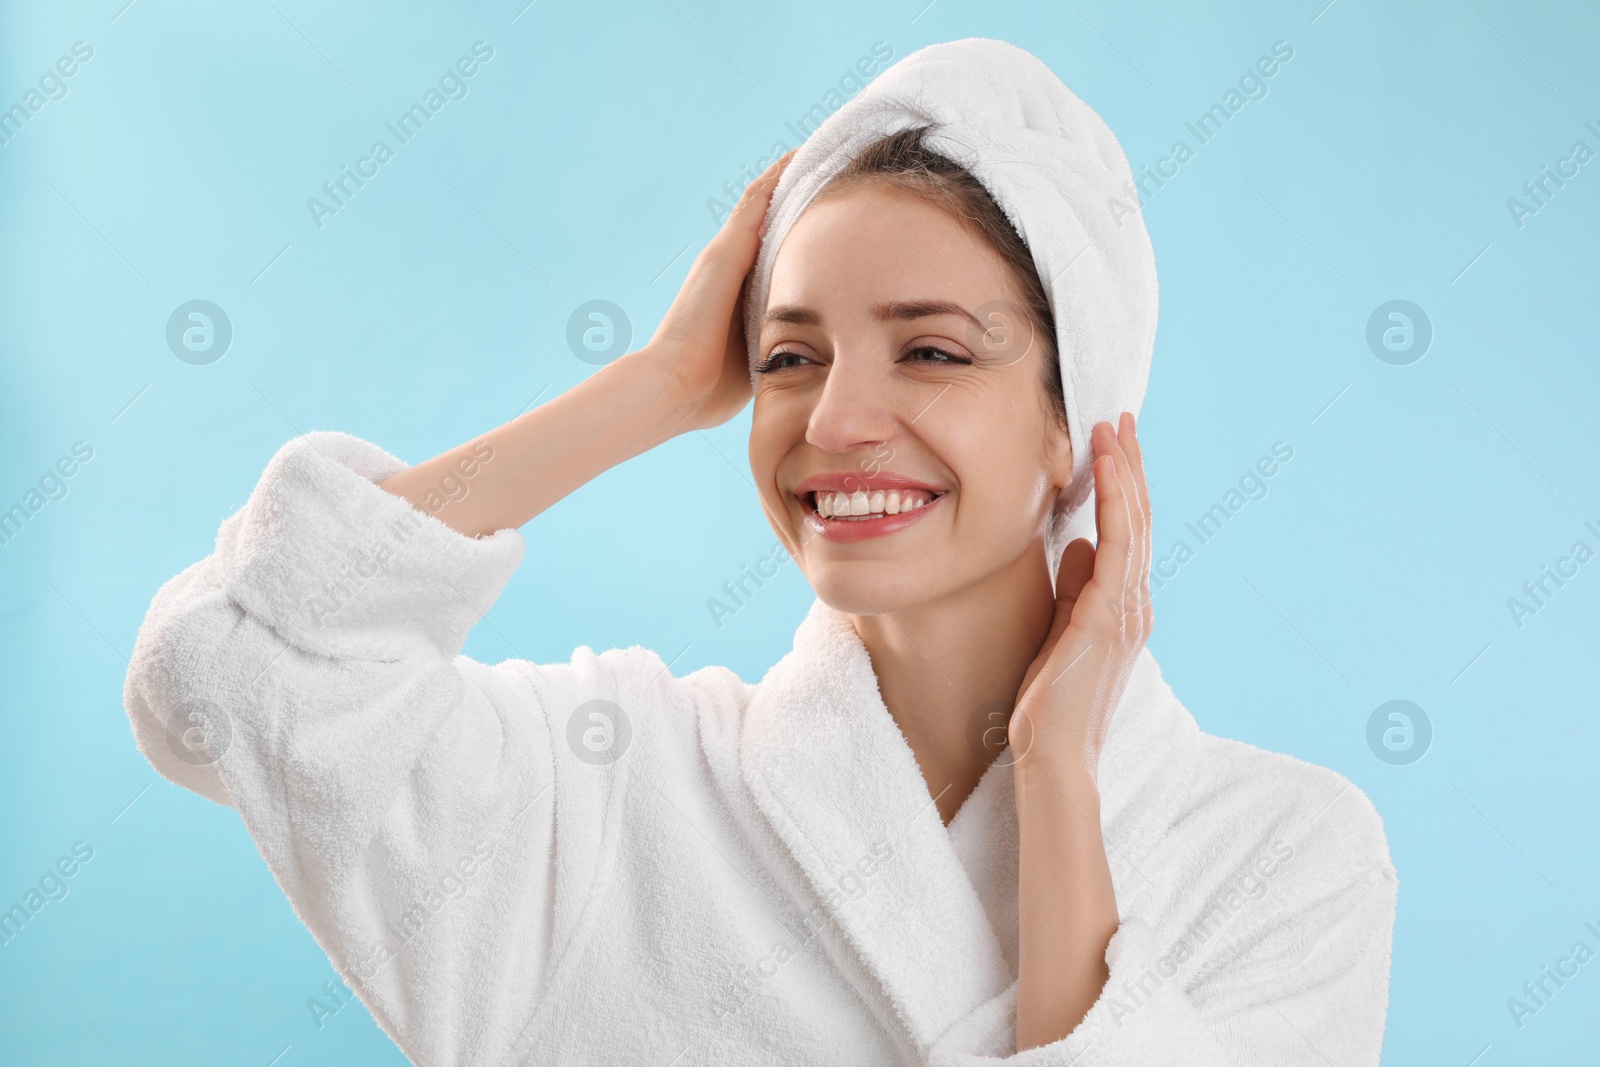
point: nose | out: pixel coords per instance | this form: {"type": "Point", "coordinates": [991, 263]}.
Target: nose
{"type": "Point", "coordinates": [855, 408]}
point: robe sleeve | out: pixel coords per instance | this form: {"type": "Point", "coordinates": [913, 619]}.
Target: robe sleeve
{"type": "Point", "coordinates": [307, 674]}
{"type": "Point", "coordinates": [1302, 986]}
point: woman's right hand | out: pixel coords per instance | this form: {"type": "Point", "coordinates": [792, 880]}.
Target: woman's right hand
{"type": "Point", "coordinates": [699, 351]}
{"type": "Point", "coordinates": [693, 373]}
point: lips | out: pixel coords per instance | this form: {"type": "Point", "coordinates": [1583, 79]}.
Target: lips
{"type": "Point", "coordinates": [853, 506]}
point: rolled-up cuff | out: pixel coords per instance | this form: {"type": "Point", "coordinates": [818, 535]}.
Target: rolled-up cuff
{"type": "Point", "coordinates": [1141, 1017]}
{"type": "Point", "coordinates": [340, 567]}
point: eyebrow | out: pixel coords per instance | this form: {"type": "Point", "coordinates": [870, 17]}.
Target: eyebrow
{"type": "Point", "coordinates": [899, 310]}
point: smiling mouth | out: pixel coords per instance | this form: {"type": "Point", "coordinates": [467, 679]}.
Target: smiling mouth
{"type": "Point", "coordinates": [866, 505]}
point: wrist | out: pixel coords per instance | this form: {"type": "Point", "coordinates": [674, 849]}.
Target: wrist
{"type": "Point", "coordinates": [644, 389]}
{"type": "Point", "coordinates": [1055, 779]}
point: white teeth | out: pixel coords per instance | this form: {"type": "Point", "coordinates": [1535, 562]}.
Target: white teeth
{"type": "Point", "coordinates": [865, 504]}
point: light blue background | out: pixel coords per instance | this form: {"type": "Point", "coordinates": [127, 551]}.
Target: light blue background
{"type": "Point", "coordinates": [434, 306]}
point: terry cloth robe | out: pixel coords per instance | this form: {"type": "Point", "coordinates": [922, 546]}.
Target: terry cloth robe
{"type": "Point", "coordinates": [601, 862]}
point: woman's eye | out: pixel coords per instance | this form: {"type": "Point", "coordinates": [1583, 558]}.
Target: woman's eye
{"type": "Point", "coordinates": [777, 360]}
{"type": "Point", "coordinates": [935, 355]}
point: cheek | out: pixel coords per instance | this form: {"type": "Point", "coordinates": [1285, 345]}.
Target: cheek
{"type": "Point", "coordinates": [1005, 490]}
{"type": "Point", "coordinates": [1005, 504]}
{"type": "Point", "coordinates": [765, 449]}
{"type": "Point", "coordinates": [772, 443]}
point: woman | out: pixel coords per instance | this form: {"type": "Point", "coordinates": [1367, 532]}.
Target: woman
{"type": "Point", "coordinates": [963, 821]}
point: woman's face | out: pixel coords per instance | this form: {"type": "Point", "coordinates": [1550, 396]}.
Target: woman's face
{"type": "Point", "coordinates": [903, 381]}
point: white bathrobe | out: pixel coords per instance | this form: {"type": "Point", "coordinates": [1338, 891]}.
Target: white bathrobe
{"type": "Point", "coordinates": [508, 872]}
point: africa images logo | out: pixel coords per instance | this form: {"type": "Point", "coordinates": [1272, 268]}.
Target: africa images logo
{"type": "Point", "coordinates": [598, 732]}
{"type": "Point", "coordinates": [199, 332]}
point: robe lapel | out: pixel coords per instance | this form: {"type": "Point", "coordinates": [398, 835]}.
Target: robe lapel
{"type": "Point", "coordinates": [831, 772]}
{"type": "Point", "coordinates": [984, 833]}
{"type": "Point", "coordinates": [1145, 772]}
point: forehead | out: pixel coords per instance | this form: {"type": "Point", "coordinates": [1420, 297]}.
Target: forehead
{"type": "Point", "coordinates": [874, 243]}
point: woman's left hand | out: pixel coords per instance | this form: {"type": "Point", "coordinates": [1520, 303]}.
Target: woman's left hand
{"type": "Point", "coordinates": [1103, 617]}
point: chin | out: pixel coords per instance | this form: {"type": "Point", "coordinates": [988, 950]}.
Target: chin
{"type": "Point", "coordinates": [875, 587]}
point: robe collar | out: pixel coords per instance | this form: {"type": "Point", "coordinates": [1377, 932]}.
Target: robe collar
{"type": "Point", "coordinates": [830, 770]}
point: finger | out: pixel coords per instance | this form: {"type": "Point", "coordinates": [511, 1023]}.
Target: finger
{"type": "Point", "coordinates": [1074, 572]}
{"type": "Point", "coordinates": [1128, 437]}
{"type": "Point", "coordinates": [1137, 493]}
{"type": "Point", "coordinates": [712, 294]}
{"type": "Point", "coordinates": [1072, 575]}
{"type": "Point", "coordinates": [738, 352]}
{"type": "Point", "coordinates": [753, 202]}
{"type": "Point", "coordinates": [1135, 452]}
{"type": "Point", "coordinates": [1115, 555]}
{"type": "Point", "coordinates": [776, 168]}
{"type": "Point", "coordinates": [1129, 479]}
{"type": "Point", "coordinates": [735, 245]}
{"type": "Point", "coordinates": [1106, 448]}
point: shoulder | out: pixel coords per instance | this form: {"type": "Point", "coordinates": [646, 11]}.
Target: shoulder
{"type": "Point", "coordinates": [1271, 854]}
{"type": "Point", "coordinates": [1225, 800]}
{"type": "Point", "coordinates": [1268, 796]}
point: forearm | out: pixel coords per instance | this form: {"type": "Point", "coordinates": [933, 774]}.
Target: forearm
{"type": "Point", "coordinates": [1067, 908]}
{"type": "Point", "coordinates": [542, 455]}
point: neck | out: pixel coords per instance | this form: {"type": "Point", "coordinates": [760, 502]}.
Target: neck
{"type": "Point", "coordinates": [949, 670]}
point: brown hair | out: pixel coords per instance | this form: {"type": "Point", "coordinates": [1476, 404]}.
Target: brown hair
{"type": "Point", "coordinates": [906, 162]}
